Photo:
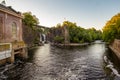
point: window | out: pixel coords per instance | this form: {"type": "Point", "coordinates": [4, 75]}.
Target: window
{"type": "Point", "coordinates": [14, 30]}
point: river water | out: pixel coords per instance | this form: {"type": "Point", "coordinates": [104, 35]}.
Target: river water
{"type": "Point", "coordinates": [91, 62]}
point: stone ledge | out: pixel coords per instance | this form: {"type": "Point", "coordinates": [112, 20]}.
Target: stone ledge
{"type": "Point", "coordinates": [115, 51]}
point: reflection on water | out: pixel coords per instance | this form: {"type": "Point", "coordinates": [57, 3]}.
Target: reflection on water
{"type": "Point", "coordinates": [92, 62]}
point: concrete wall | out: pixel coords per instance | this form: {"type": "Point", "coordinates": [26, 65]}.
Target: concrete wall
{"type": "Point", "coordinates": [116, 45]}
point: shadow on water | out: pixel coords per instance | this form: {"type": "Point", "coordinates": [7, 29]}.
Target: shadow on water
{"type": "Point", "coordinates": [114, 59]}
{"type": "Point", "coordinates": [111, 65]}
{"type": "Point", "coordinates": [31, 53]}
{"type": "Point", "coordinates": [72, 47]}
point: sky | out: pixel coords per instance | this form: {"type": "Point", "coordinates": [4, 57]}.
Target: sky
{"type": "Point", "coordinates": [86, 13]}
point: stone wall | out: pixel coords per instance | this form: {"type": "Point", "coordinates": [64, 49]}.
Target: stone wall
{"type": "Point", "coordinates": [115, 47]}
{"type": "Point", "coordinates": [66, 35]}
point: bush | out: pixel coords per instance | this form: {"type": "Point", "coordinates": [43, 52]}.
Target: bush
{"type": "Point", "coordinates": [58, 39]}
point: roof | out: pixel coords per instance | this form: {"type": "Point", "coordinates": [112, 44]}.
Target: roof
{"type": "Point", "coordinates": [9, 10]}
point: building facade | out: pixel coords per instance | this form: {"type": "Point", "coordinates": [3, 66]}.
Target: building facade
{"type": "Point", "coordinates": [11, 42]}
{"type": "Point", "coordinates": [10, 25]}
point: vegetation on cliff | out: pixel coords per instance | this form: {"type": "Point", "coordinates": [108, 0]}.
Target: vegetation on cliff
{"type": "Point", "coordinates": [30, 29]}
{"type": "Point", "coordinates": [76, 33]}
{"type": "Point", "coordinates": [29, 19]}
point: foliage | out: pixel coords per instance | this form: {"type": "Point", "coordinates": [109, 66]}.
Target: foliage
{"type": "Point", "coordinates": [31, 29]}
{"type": "Point", "coordinates": [30, 36]}
{"type": "Point", "coordinates": [59, 39]}
{"type": "Point", "coordinates": [29, 19]}
{"type": "Point", "coordinates": [77, 34]}
{"type": "Point", "coordinates": [112, 29]}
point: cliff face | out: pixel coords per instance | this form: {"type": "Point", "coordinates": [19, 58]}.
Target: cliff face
{"type": "Point", "coordinates": [30, 35]}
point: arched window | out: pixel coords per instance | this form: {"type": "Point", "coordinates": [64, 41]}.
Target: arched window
{"type": "Point", "coordinates": [14, 30]}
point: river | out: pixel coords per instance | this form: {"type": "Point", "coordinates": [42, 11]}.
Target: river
{"type": "Point", "coordinates": [91, 62]}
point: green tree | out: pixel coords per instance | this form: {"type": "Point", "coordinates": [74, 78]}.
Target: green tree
{"type": "Point", "coordinates": [58, 39]}
{"type": "Point", "coordinates": [29, 19]}
{"type": "Point", "coordinates": [112, 29]}
{"type": "Point", "coordinates": [77, 34]}
{"type": "Point", "coordinates": [30, 29]}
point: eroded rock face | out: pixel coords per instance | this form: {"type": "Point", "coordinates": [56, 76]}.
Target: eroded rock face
{"type": "Point", "coordinates": [30, 36]}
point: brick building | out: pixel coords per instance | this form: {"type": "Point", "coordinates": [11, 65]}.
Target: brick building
{"type": "Point", "coordinates": [10, 24]}
{"type": "Point", "coordinates": [11, 42]}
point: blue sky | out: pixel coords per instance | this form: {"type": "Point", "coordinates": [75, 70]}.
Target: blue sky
{"type": "Point", "coordinates": [86, 13]}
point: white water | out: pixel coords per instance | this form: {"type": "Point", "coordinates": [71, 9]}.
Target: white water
{"type": "Point", "coordinates": [111, 66]}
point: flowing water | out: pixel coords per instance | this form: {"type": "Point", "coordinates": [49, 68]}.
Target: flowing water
{"type": "Point", "coordinates": [91, 62]}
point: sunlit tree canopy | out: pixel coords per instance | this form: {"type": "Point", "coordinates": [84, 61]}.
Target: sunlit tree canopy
{"type": "Point", "coordinates": [77, 34]}
{"type": "Point", "coordinates": [30, 19]}
{"type": "Point", "coordinates": [112, 29]}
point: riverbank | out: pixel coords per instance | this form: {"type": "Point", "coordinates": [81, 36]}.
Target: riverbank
{"type": "Point", "coordinates": [77, 44]}
{"type": "Point", "coordinates": [70, 44]}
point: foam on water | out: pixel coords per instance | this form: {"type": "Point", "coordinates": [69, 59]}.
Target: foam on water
{"type": "Point", "coordinates": [111, 66]}
{"type": "Point", "coordinates": [2, 76]}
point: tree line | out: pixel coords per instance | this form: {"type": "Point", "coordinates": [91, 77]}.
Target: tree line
{"type": "Point", "coordinates": [111, 30]}
{"type": "Point", "coordinates": [76, 33]}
